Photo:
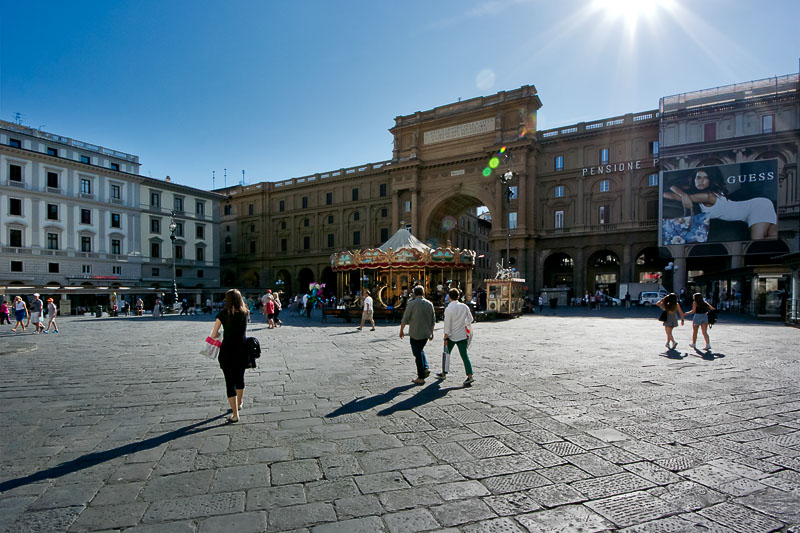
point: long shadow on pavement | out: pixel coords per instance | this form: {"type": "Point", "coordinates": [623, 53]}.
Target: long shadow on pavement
{"type": "Point", "coordinates": [92, 459]}
{"type": "Point", "coordinates": [432, 392]}
{"type": "Point", "coordinates": [358, 405]}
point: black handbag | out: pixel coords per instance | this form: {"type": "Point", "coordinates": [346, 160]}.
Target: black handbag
{"type": "Point", "coordinates": [663, 316]}
{"type": "Point", "coordinates": [252, 349]}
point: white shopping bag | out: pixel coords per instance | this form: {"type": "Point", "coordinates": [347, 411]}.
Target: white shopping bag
{"type": "Point", "coordinates": [445, 359]}
{"type": "Point", "coordinates": [211, 348]}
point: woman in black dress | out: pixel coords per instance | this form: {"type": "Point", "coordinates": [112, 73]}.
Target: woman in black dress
{"type": "Point", "coordinates": [232, 358]}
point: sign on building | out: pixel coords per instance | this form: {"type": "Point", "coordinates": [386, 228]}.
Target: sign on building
{"type": "Point", "coordinates": [736, 202]}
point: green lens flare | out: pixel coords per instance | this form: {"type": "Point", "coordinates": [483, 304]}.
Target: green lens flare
{"type": "Point", "coordinates": [494, 162]}
{"type": "Point", "coordinates": [487, 172]}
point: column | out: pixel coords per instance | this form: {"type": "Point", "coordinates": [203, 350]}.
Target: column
{"type": "Point", "coordinates": [737, 254]}
{"type": "Point", "coordinates": [579, 272]}
{"type": "Point", "coordinates": [395, 211]}
{"type": "Point", "coordinates": [579, 211]}
{"type": "Point", "coordinates": [627, 264]}
{"type": "Point", "coordinates": [680, 276]}
{"type": "Point", "coordinates": [414, 211]}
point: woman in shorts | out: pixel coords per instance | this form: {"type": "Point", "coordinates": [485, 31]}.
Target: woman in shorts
{"type": "Point", "coordinates": [672, 308]}
{"type": "Point", "coordinates": [700, 309]}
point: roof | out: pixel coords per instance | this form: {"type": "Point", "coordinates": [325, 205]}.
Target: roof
{"type": "Point", "coordinates": [404, 239]}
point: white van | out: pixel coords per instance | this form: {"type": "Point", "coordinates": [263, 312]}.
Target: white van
{"type": "Point", "coordinates": [650, 298]}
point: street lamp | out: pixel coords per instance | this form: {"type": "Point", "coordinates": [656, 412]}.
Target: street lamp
{"type": "Point", "coordinates": [172, 227]}
{"type": "Point", "coordinates": [505, 179]}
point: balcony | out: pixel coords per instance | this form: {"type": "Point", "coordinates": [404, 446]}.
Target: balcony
{"type": "Point", "coordinates": [19, 184]}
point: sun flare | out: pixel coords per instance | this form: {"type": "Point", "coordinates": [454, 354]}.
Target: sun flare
{"type": "Point", "coordinates": [632, 11]}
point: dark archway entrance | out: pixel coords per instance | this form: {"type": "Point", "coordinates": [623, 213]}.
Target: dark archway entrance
{"type": "Point", "coordinates": [602, 272]}
{"type": "Point", "coordinates": [558, 271]}
{"type": "Point", "coordinates": [329, 279]}
{"type": "Point", "coordinates": [305, 278]}
{"type": "Point", "coordinates": [283, 283]}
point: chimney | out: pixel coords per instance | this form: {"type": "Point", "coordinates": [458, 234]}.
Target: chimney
{"type": "Point", "coordinates": [167, 179]}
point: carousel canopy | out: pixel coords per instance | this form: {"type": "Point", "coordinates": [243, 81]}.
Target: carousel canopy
{"type": "Point", "coordinates": [403, 250]}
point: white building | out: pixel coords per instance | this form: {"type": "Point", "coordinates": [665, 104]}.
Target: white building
{"type": "Point", "coordinates": [73, 214]}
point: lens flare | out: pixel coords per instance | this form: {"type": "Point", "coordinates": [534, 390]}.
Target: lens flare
{"type": "Point", "coordinates": [432, 242]}
{"type": "Point", "coordinates": [487, 172]}
{"type": "Point", "coordinates": [448, 223]}
{"type": "Point", "coordinates": [485, 79]}
{"type": "Point", "coordinates": [494, 162]}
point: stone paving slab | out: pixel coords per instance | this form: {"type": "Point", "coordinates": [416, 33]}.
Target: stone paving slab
{"type": "Point", "coordinates": [565, 428]}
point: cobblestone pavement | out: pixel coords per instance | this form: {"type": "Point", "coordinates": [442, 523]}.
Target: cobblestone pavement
{"type": "Point", "coordinates": [574, 423]}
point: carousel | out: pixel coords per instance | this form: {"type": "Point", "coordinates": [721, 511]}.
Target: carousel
{"type": "Point", "coordinates": [391, 271]}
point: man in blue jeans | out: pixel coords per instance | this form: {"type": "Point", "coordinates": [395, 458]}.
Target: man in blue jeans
{"type": "Point", "coordinates": [420, 317]}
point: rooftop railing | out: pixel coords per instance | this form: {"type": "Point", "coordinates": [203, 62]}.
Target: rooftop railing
{"type": "Point", "coordinates": [730, 93]}
{"type": "Point", "coordinates": [602, 124]}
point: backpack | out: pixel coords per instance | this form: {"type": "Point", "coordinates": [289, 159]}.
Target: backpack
{"type": "Point", "coordinates": [252, 349]}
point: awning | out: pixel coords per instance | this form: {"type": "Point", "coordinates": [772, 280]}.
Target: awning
{"type": "Point", "coordinates": [743, 272]}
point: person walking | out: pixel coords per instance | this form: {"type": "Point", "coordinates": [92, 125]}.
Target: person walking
{"type": "Point", "coordinates": [20, 312]}
{"type": "Point", "coordinates": [367, 311]}
{"type": "Point", "coordinates": [627, 300]}
{"type": "Point", "coordinates": [157, 309]}
{"type": "Point", "coordinates": [139, 307]}
{"type": "Point", "coordinates": [276, 299]}
{"type": "Point", "coordinates": [700, 309]}
{"type": "Point", "coordinates": [4, 318]}
{"type": "Point", "coordinates": [457, 319]}
{"type": "Point", "coordinates": [672, 308]}
{"type": "Point", "coordinates": [269, 310]}
{"type": "Point", "coordinates": [51, 316]}
{"type": "Point", "coordinates": [232, 357]}
{"type": "Point", "coordinates": [35, 314]}
{"type": "Point", "coordinates": [421, 319]}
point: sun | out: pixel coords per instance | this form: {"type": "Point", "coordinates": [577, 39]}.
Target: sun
{"type": "Point", "coordinates": [631, 11]}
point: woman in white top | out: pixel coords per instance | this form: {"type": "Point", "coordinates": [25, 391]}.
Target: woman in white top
{"type": "Point", "coordinates": [708, 191]}
{"type": "Point", "coordinates": [457, 318]}
{"type": "Point", "coordinates": [20, 312]}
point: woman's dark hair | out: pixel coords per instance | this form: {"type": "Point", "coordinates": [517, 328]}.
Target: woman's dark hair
{"type": "Point", "coordinates": [234, 303]}
{"type": "Point", "coordinates": [701, 306]}
{"type": "Point", "coordinates": [716, 183]}
{"type": "Point", "coordinates": [670, 302]}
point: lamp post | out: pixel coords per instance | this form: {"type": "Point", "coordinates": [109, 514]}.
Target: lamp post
{"type": "Point", "coordinates": [172, 227]}
{"type": "Point", "coordinates": [505, 179]}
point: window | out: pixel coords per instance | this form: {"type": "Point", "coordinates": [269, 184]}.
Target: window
{"type": "Point", "coordinates": [15, 238]}
{"type": "Point", "coordinates": [283, 245]}
{"type": "Point", "coordinates": [559, 191]}
{"type": "Point", "coordinates": [228, 209]}
{"type": "Point", "coordinates": [305, 222]}
{"type": "Point", "coordinates": [52, 268]}
{"type": "Point", "coordinates": [15, 143]}
{"type": "Point", "coordinates": [304, 202]}
{"type": "Point", "coordinates": [155, 199]}
{"type": "Point", "coordinates": [328, 198]}
{"type": "Point", "coordinates": [604, 155]}
{"type": "Point", "coordinates": [16, 266]}
{"type": "Point", "coordinates": [382, 189]}
{"type": "Point", "coordinates": [155, 225]}
{"type": "Point", "coordinates": [559, 162]}
{"type": "Point", "coordinates": [559, 219]}
{"type": "Point", "coordinates": [178, 204]}
{"type": "Point", "coordinates": [330, 240]}
{"type": "Point", "coordinates": [306, 242]}
{"type": "Point", "coordinates": [283, 224]}
{"type": "Point", "coordinates": [199, 273]}
{"type": "Point", "coordinates": [199, 253]}
{"type": "Point", "coordinates": [252, 228]}
{"type": "Point", "coordinates": [116, 192]}
{"type": "Point", "coordinates": [512, 220]}
{"type": "Point", "coordinates": [252, 247]}
{"type": "Point", "coordinates": [15, 206]}
{"type": "Point", "coordinates": [384, 234]}
{"type": "Point", "coordinates": [356, 237]}
{"type": "Point", "coordinates": [178, 272]}
{"type": "Point", "coordinates": [228, 245]}
{"type": "Point", "coordinates": [155, 249]}
{"type": "Point", "coordinates": [604, 215]}
{"type": "Point", "coordinates": [652, 180]}
{"type": "Point", "coordinates": [355, 194]}
{"type": "Point", "coordinates": [52, 180]}
{"type": "Point", "coordinates": [710, 132]}
{"type": "Point", "coordinates": [356, 215]}
{"type": "Point", "coordinates": [86, 186]}
{"type": "Point", "coordinates": [115, 166]}
{"type": "Point", "coordinates": [200, 231]}
{"type": "Point", "coordinates": [408, 206]}
{"type": "Point", "coordinates": [52, 241]}
{"type": "Point", "coordinates": [116, 270]}
{"type": "Point", "coordinates": [156, 272]}
{"type": "Point", "coordinates": [52, 212]}
{"type": "Point", "coordinates": [116, 246]}
{"type": "Point", "coordinates": [768, 124]}
{"type": "Point", "coordinates": [178, 251]}
{"type": "Point", "coordinates": [330, 219]}
{"type": "Point", "coordinates": [85, 160]}
{"type": "Point", "coordinates": [179, 229]}
{"type": "Point", "coordinates": [652, 209]}
{"type": "Point", "coordinates": [14, 173]}
{"type": "Point", "coordinates": [200, 208]}
{"type": "Point", "coordinates": [52, 151]}
{"type": "Point", "coordinates": [605, 186]}
{"type": "Point", "coordinates": [384, 212]}
{"type": "Point", "coordinates": [86, 216]}
{"type": "Point", "coordinates": [250, 209]}
{"type": "Point", "coordinates": [653, 147]}
{"type": "Point", "coordinates": [282, 206]}
{"type": "Point", "coordinates": [86, 244]}
{"type": "Point", "coordinates": [115, 220]}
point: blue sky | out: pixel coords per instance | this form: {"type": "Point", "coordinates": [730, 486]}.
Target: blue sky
{"type": "Point", "coordinates": [287, 89]}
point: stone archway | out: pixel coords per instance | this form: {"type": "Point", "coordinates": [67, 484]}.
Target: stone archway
{"type": "Point", "coordinates": [603, 271]}
{"type": "Point", "coordinates": [558, 271]}
{"type": "Point", "coordinates": [283, 283]}
{"type": "Point", "coordinates": [329, 279]}
{"type": "Point", "coordinates": [304, 278]}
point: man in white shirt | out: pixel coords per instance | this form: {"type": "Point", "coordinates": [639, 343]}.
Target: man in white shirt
{"type": "Point", "coordinates": [457, 319]}
{"type": "Point", "coordinates": [366, 313]}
